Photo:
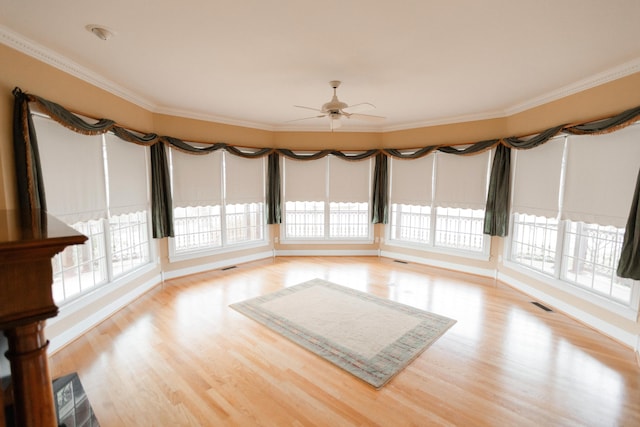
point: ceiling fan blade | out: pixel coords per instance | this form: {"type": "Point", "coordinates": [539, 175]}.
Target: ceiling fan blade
{"type": "Point", "coordinates": [307, 118]}
{"type": "Point", "coordinates": [309, 108]}
{"type": "Point", "coordinates": [367, 117]}
{"type": "Point", "coordinates": [355, 108]}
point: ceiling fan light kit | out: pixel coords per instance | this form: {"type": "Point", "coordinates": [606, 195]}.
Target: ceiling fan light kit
{"type": "Point", "coordinates": [335, 109]}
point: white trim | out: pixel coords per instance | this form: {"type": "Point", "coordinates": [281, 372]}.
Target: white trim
{"type": "Point", "coordinates": [327, 241]}
{"type": "Point", "coordinates": [62, 63]}
{"type": "Point", "coordinates": [485, 272]}
{"type": "Point", "coordinates": [606, 76]}
{"type": "Point", "coordinates": [216, 265]}
{"type": "Point", "coordinates": [484, 255]}
{"type": "Point", "coordinates": [43, 54]}
{"type": "Point", "coordinates": [604, 327]}
{"type": "Point", "coordinates": [194, 254]}
{"type": "Point", "coordinates": [327, 252]}
{"type": "Point", "coordinates": [575, 290]}
{"type": "Point", "coordinates": [56, 342]}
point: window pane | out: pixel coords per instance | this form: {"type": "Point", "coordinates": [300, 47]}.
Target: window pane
{"type": "Point", "coordinates": [129, 242]}
{"type": "Point", "coordinates": [460, 228]}
{"type": "Point", "coordinates": [534, 242]}
{"type": "Point", "coordinates": [197, 228]}
{"type": "Point", "coordinates": [410, 223]}
{"type": "Point", "coordinates": [304, 220]}
{"type": "Point", "coordinates": [590, 258]}
{"type": "Point", "coordinates": [244, 222]}
{"type": "Point", "coordinates": [349, 220]}
{"type": "Point", "coordinates": [80, 268]}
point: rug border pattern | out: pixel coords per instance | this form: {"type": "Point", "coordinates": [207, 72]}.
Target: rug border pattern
{"type": "Point", "coordinates": [376, 371]}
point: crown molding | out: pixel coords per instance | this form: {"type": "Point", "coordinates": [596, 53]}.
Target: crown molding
{"type": "Point", "coordinates": [43, 54]}
{"type": "Point", "coordinates": [186, 114]}
{"type": "Point", "coordinates": [62, 63]}
{"type": "Point", "coordinates": [497, 114]}
{"type": "Point", "coordinates": [601, 78]}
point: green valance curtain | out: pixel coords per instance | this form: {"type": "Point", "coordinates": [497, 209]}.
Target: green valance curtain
{"type": "Point", "coordinates": [32, 197]}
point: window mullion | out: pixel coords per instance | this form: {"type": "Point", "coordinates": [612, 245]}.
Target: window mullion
{"type": "Point", "coordinates": [108, 249]}
{"type": "Point", "coordinates": [560, 246]}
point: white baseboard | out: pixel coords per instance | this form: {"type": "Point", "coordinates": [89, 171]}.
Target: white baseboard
{"type": "Point", "coordinates": [486, 272]}
{"type": "Point", "coordinates": [56, 342]}
{"type": "Point", "coordinates": [216, 265]}
{"type": "Point", "coordinates": [327, 252]}
{"type": "Point", "coordinates": [597, 323]}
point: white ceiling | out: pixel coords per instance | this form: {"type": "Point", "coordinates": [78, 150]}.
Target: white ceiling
{"type": "Point", "coordinates": [248, 62]}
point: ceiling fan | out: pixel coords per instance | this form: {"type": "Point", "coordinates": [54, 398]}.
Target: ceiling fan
{"type": "Point", "coordinates": [336, 110]}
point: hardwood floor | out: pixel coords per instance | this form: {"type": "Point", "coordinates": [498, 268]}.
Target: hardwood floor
{"type": "Point", "coordinates": [179, 356]}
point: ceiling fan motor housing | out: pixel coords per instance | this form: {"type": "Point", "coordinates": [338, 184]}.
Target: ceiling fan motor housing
{"type": "Point", "coordinates": [335, 106]}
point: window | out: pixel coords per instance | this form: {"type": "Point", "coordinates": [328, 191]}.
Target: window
{"type": "Point", "coordinates": [81, 268]}
{"type": "Point", "coordinates": [244, 222]}
{"type": "Point", "coordinates": [218, 201]}
{"type": "Point", "coordinates": [438, 202]}
{"type": "Point", "coordinates": [129, 241]}
{"type": "Point", "coordinates": [534, 241]}
{"type": "Point", "coordinates": [197, 228]}
{"type": "Point", "coordinates": [327, 199]}
{"type": "Point", "coordinates": [348, 220]}
{"type": "Point", "coordinates": [410, 223]}
{"type": "Point", "coordinates": [459, 228]}
{"type": "Point", "coordinates": [103, 195]}
{"type": "Point", "coordinates": [568, 220]}
{"type": "Point", "coordinates": [589, 259]}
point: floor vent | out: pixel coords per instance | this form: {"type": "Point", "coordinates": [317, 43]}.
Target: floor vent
{"type": "Point", "coordinates": [544, 307]}
{"type": "Point", "coordinates": [228, 268]}
{"type": "Point", "coordinates": [400, 261]}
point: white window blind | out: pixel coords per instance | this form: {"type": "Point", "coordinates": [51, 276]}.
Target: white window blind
{"type": "Point", "coordinates": [461, 181]}
{"type": "Point", "coordinates": [536, 183]}
{"type": "Point", "coordinates": [601, 174]}
{"type": "Point", "coordinates": [349, 181]}
{"type": "Point", "coordinates": [244, 179]}
{"type": "Point", "coordinates": [197, 179]}
{"type": "Point", "coordinates": [127, 172]}
{"type": "Point", "coordinates": [411, 181]}
{"type": "Point", "coordinates": [73, 172]}
{"type": "Point", "coordinates": [305, 180]}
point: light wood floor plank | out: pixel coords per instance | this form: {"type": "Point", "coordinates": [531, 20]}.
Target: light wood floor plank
{"type": "Point", "coordinates": [179, 356]}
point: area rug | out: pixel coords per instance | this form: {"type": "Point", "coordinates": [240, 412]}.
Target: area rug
{"type": "Point", "coordinates": [370, 337]}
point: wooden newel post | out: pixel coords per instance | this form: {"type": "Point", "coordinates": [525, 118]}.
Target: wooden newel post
{"type": "Point", "coordinates": [26, 301]}
{"type": "Point", "coordinates": [30, 375]}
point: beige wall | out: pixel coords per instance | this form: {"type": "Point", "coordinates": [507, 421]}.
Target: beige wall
{"type": "Point", "coordinates": [38, 78]}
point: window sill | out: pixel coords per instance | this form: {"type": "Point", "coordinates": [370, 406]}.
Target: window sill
{"type": "Point", "coordinates": [184, 256]}
{"type": "Point", "coordinates": [482, 256]}
{"type": "Point", "coordinates": [326, 242]}
{"type": "Point", "coordinates": [618, 308]}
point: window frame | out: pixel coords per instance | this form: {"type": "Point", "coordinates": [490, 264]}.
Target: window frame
{"type": "Point", "coordinates": [110, 278]}
{"type": "Point", "coordinates": [557, 279]}
{"type": "Point", "coordinates": [327, 212]}
{"type": "Point", "coordinates": [483, 255]}
{"type": "Point", "coordinates": [224, 247]}
{"type": "Point", "coordinates": [431, 245]}
{"type": "Point", "coordinates": [629, 311]}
